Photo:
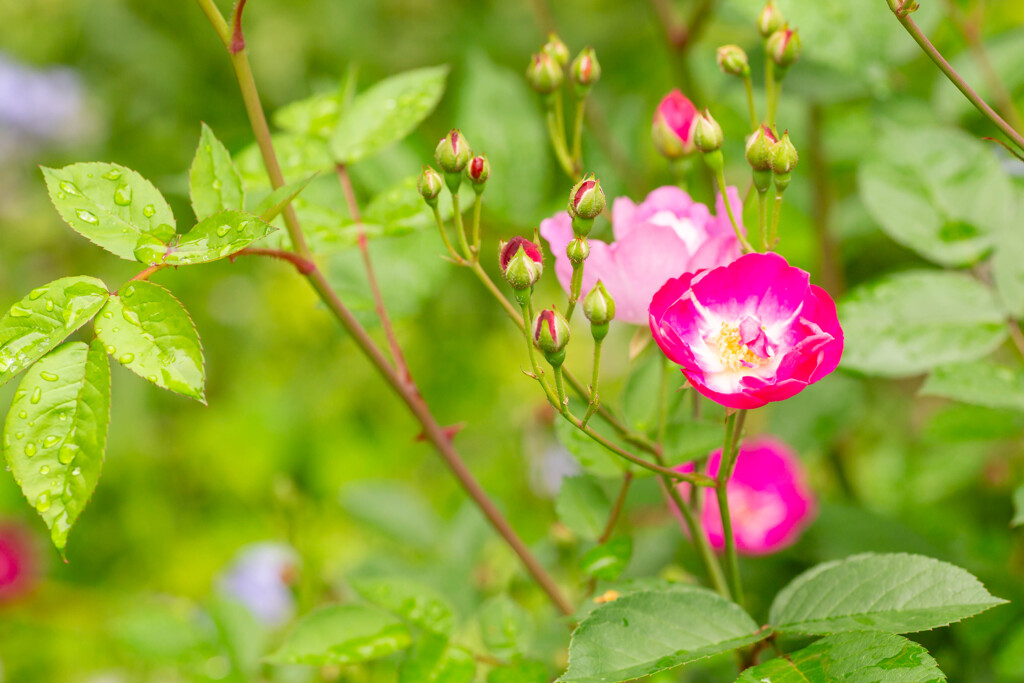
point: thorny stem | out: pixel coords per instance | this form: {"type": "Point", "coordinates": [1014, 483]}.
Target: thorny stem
{"type": "Point", "coordinates": [563, 400]}
{"type": "Point", "coordinates": [144, 275]}
{"type": "Point", "coordinates": [901, 9]}
{"type": "Point", "coordinates": [302, 265]}
{"type": "Point", "coordinates": [371, 275]}
{"type": "Point", "coordinates": [405, 389]}
{"type": "Point", "coordinates": [726, 464]}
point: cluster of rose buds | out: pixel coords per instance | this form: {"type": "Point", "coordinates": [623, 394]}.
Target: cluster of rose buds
{"type": "Point", "coordinates": [782, 43]}
{"type": "Point", "coordinates": [768, 156]}
{"type": "Point", "coordinates": [546, 71]}
{"type": "Point", "coordinates": [454, 155]}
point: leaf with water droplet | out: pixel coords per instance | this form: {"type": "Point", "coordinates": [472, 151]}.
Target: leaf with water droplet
{"type": "Point", "coordinates": [271, 206]}
{"type": "Point", "coordinates": [214, 182]}
{"type": "Point", "coordinates": [368, 125]}
{"type": "Point", "coordinates": [217, 237]}
{"type": "Point", "coordinates": [83, 389]}
{"type": "Point", "coordinates": [45, 318]}
{"type": "Point", "coordinates": [152, 335]}
{"type": "Point", "coordinates": [342, 634]}
{"type": "Point", "coordinates": [110, 205]}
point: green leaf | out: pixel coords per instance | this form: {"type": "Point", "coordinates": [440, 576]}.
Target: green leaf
{"type": "Point", "coordinates": [1018, 507]}
{"type": "Point", "coordinates": [400, 209]}
{"type": "Point", "coordinates": [215, 184]}
{"type": "Point", "coordinates": [1008, 262]}
{"type": "Point", "coordinates": [149, 332]}
{"type": "Point", "coordinates": [410, 599]}
{"type": "Point", "coordinates": [316, 115]}
{"type": "Point", "coordinates": [214, 238]}
{"type": "Point", "coordinates": [110, 205]}
{"type": "Point", "coordinates": [300, 156]}
{"type": "Point", "coordinates": [434, 660]}
{"type": "Point", "coordinates": [506, 627]}
{"type": "Point", "coordinates": [394, 509]}
{"type": "Point", "coordinates": [643, 633]}
{"type": "Point", "coordinates": [387, 112]}
{"type": "Point", "coordinates": [980, 383]}
{"type": "Point", "coordinates": [852, 658]}
{"type": "Point", "coordinates": [521, 672]}
{"type": "Point", "coordinates": [938, 191]}
{"type": "Point", "coordinates": [608, 560]}
{"type": "Point", "coordinates": [583, 506]}
{"type": "Point", "coordinates": [342, 634]}
{"type": "Point", "coordinates": [271, 206]}
{"type": "Point", "coordinates": [898, 593]}
{"type": "Point", "coordinates": [45, 318]}
{"type": "Point", "coordinates": [56, 432]}
{"type": "Point", "coordinates": [501, 117]}
{"type": "Point", "coordinates": [908, 323]}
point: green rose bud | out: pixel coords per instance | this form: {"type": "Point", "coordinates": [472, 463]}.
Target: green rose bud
{"type": "Point", "coordinates": [551, 334]}
{"type": "Point", "coordinates": [578, 250]}
{"type": "Point", "coordinates": [544, 74]}
{"type": "Point", "coordinates": [599, 307]}
{"type": "Point", "coordinates": [707, 134]}
{"type": "Point", "coordinates": [430, 184]}
{"type": "Point", "coordinates": [556, 49]}
{"type": "Point", "coordinates": [586, 70]}
{"type": "Point", "coordinates": [770, 19]}
{"type": "Point", "coordinates": [733, 60]}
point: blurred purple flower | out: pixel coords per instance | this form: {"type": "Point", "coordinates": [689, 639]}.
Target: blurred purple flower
{"type": "Point", "coordinates": [259, 577]}
{"type": "Point", "coordinates": [40, 105]}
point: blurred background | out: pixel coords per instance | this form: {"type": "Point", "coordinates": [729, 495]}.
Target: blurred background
{"type": "Point", "coordinates": [304, 472]}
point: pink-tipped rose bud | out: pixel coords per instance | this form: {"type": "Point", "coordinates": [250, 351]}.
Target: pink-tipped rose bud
{"type": "Point", "coordinates": [587, 199]}
{"type": "Point", "coordinates": [733, 60]}
{"type": "Point", "coordinates": [578, 250]}
{"type": "Point", "coordinates": [784, 160]}
{"type": "Point", "coordinates": [759, 149]}
{"type": "Point", "coordinates": [430, 184]}
{"type": "Point", "coordinates": [551, 333]}
{"type": "Point", "coordinates": [453, 152]}
{"type": "Point", "coordinates": [544, 74]}
{"type": "Point", "coordinates": [672, 129]}
{"type": "Point", "coordinates": [784, 47]}
{"type": "Point", "coordinates": [586, 70]}
{"type": "Point", "coordinates": [556, 49]}
{"type": "Point", "coordinates": [521, 262]}
{"type": "Point", "coordinates": [707, 134]}
{"type": "Point", "coordinates": [478, 171]}
{"type": "Point", "coordinates": [770, 19]}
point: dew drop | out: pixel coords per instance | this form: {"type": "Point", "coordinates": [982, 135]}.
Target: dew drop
{"type": "Point", "coordinates": [37, 395]}
{"type": "Point", "coordinates": [123, 194]}
{"type": "Point", "coordinates": [87, 216]}
{"type": "Point", "coordinates": [37, 292]}
{"type": "Point", "coordinates": [50, 441]}
{"type": "Point", "coordinates": [19, 312]}
{"type": "Point", "coordinates": [49, 305]}
{"type": "Point", "coordinates": [108, 314]}
{"type": "Point", "coordinates": [126, 358]}
{"type": "Point", "coordinates": [30, 449]}
{"type": "Point", "coordinates": [111, 350]}
{"type": "Point", "coordinates": [149, 211]}
{"type": "Point", "coordinates": [223, 230]}
{"type": "Point", "coordinates": [69, 187]}
{"type": "Point", "coordinates": [43, 502]}
{"type": "Point", "coordinates": [22, 414]}
{"type": "Point", "coordinates": [77, 471]}
{"type": "Point", "coordinates": [67, 453]}
{"type": "Point", "coordinates": [44, 470]}
{"type": "Point", "coordinates": [217, 184]}
{"type": "Point", "coordinates": [49, 376]}
{"type": "Point", "coordinates": [113, 174]}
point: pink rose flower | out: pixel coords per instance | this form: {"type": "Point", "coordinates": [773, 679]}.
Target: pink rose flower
{"type": "Point", "coordinates": [769, 499]}
{"type": "Point", "coordinates": [18, 561]}
{"type": "Point", "coordinates": [666, 234]}
{"type": "Point", "coordinates": [749, 333]}
{"type": "Point", "coordinates": [674, 122]}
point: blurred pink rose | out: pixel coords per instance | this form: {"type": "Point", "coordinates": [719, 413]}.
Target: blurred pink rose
{"type": "Point", "coordinates": [18, 561]}
{"type": "Point", "coordinates": [749, 333]}
{"type": "Point", "coordinates": [668, 233]}
{"type": "Point", "coordinates": [770, 501]}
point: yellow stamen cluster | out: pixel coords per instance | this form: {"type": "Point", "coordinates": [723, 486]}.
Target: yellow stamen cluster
{"type": "Point", "coordinates": [734, 353]}
{"type": "Point", "coordinates": [608, 596]}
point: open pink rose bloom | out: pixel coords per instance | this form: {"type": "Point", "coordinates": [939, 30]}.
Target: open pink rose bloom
{"type": "Point", "coordinates": [770, 501]}
{"type": "Point", "coordinates": [665, 235]}
{"type": "Point", "coordinates": [749, 333]}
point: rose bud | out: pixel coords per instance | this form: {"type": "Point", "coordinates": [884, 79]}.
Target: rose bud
{"type": "Point", "coordinates": [770, 20]}
{"type": "Point", "coordinates": [430, 184]}
{"type": "Point", "coordinates": [521, 262]}
{"type": "Point", "coordinates": [556, 49]}
{"type": "Point", "coordinates": [578, 250]}
{"type": "Point", "coordinates": [733, 60]}
{"type": "Point", "coordinates": [551, 334]}
{"type": "Point", "coordinates": [587, 199]}
{"type": "Point", "coordinates": [599, 307]}
{"type": "Point", "coordinates": [478, 171]}
{"type": "Point", "coordinates": [544, 74]}
{"type": "Point", "coordinates": [453, 152]}
{"type": "Point", "coordinates": [707, 134]}
{"type": "Point", "coordinates": [586, 70]}
{"type": "Point", "coordinates": [784, 47]}
{"type": "Point", "coordinates": [759, 149]}
{"type": "Point", "coordinates": [672, 129]}
{"type": "Point", "coordinates": [784, 160]}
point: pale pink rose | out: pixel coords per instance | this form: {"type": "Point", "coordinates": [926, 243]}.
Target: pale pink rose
{"type": "Point", "coordinates": [668, 233]}
{"type": "Point", "coordinates": [769, 499]}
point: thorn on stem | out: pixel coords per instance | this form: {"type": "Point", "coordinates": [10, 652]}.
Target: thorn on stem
{"type": "Point", "coordinates": [237, 38]}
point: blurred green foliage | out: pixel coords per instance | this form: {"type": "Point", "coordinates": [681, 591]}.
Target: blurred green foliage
{"type": "Point", "coordinates": [302, 442]}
